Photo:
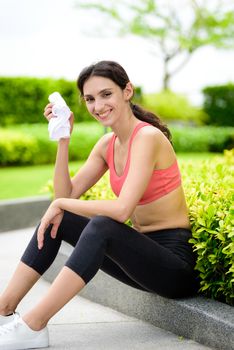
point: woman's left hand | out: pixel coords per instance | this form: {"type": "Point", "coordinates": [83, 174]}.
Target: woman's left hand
{"type": "Point", "coordinates": [53, 215]}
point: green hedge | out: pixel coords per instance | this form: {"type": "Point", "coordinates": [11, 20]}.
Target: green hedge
{"type": "Point", "coordinates": [210, 193]}
{"type": "Point", "coordinates": [219, 104]}
{"type": "Point", "coordinates": [22, 100]}
{"type": "Point", "coordinates": [29, 144]}
{"type": "Point", "coordinates": [173, 107]}
{"type": "Point", "coordinates": [209, 190]}
{"type": "Point", "coordinates": [202, 139]}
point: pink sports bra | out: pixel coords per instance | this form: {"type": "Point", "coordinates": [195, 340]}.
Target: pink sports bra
{"type": "Point", "coordinates": [161, 182]}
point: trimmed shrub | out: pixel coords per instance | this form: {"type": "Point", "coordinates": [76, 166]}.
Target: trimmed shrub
{"type": "Point", "coordinates": [138, 95]}
{"type": "Point", "coordinates": [22, 100]}
{"type": "Point", "coordinates": [202, 139]}
{"type": "Point", "coordinates": [209, 191]}
{"type": "Point", "coordinates": [30, 144]}
{"type": "Point", "coordinates": [173, 107]}
{"type": "Point", "coordinates": [219, 104]}
{"type": "Point", "coordinates": [15, 151]}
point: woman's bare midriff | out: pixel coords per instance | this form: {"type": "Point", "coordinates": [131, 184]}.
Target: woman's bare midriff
{"type": "Point", "coordinates": [169, 211]}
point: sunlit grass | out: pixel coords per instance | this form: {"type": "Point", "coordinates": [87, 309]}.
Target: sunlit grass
{"type": "Point", "coordinates": [27, 181]}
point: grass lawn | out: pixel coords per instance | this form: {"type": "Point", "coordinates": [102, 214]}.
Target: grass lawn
{"type": "Point", "coordinates": [27, 181]}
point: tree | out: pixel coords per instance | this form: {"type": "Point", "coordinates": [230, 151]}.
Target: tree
{"type": "Point", "coordinates": [175, 29]}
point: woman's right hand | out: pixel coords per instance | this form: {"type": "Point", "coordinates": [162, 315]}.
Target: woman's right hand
{"type": "Point", "coordinates": [44, 224]}
{"type": "Point", "coordinates": [48, 115]}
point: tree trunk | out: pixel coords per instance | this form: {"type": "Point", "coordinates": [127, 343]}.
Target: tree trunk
{"type": "Point", "coordinates": [166, 80]}
{"type": "Point", "coordinates": [166, 74]}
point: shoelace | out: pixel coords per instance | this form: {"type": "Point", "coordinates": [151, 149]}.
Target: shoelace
{"type": "Point", "coordinates": [11, 326]}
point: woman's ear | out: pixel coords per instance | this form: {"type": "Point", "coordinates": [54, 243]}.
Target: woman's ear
{"type": "Point", "coordinates": [128, 91]}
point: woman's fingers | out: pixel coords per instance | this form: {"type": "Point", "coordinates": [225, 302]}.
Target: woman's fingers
{"type": "Point", "coordinates": [40, 234]}
{"type": "Point", "coordinates": [52, 216]}
{"type": "Point", "coordinates": [49, 116]}
{"type": "Point", "coordinates": [54, 230]}
{"type": "Point", "coordinates": [48, 111]}
{"type": "Point", "coordinates": [56, 223]}
{"type": "Point", "coordinates": [49, 105]}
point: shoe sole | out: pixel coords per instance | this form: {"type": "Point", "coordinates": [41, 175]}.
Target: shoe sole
{"type": "Point", "coordinates": [26, 345]}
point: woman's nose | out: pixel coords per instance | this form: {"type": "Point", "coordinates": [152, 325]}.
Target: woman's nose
{"type": "Point", "coordinates": [98, 107]}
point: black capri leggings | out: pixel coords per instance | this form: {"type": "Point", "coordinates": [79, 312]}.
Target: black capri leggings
{"type": "Point", "coordinates": [160, 261]}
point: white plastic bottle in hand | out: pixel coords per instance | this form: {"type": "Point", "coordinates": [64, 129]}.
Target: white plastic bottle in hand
{"type": "Point", "coordinates": [59, 127]}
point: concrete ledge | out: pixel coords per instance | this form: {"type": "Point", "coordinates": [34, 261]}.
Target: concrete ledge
{"type": "Point", "coordinates": [21, 213]}
{"type": "Point", "coordinates": [204, 320]}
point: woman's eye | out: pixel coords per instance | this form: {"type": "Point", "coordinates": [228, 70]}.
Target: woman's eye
{"type": "Point", "coordinates": [107, 94]}
{"type": "Point", "coordinates": [89, 99]}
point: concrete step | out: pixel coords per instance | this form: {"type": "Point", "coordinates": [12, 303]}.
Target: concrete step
{"type": "Point", "coordinates": [83, 324]}
{"type": "Point", "coordinates": [206, 321]}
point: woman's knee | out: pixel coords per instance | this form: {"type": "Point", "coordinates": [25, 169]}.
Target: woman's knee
{"type": "Point", "coordinates": [100, 226]}
{"type": "Point", "coordinates": [101, 222]}
{"type": "Point", "coordinates": [71, 227]}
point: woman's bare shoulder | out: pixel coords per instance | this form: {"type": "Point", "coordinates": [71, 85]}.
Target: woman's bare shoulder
{"type": "Point", "coordinates": [151, 130]}
{"type": "Point", "coordinates": [104, 142]}
{"type": "Point", "coordinates": [164, 152]}
{"type": "Point", "coordinates": [151, 134]}
{"type": "Point", "coordinates": [105, 139]}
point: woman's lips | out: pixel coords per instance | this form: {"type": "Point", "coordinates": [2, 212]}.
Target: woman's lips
{"type": "Point", "coordinates": [104, 115]}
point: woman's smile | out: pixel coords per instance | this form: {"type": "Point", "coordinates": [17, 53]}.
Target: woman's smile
{"type": "Point", "coordinates": [104, 115]}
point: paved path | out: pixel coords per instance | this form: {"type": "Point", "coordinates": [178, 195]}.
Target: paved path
{"type": "Point", "coordinates": [85, 325]}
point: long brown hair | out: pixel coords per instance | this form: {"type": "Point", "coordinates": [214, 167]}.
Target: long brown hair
{"type": "Point", "coordinates": [114, 71]}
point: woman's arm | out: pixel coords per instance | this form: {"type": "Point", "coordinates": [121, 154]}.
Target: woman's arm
{"type": "Point", "coordinates": [62, 180]}
{"type": "Point", "coordinates": [87, 176]}
{"type": "Point", "coordinates": [143, 158]}
{"type": "Point", "coordinates": [93, 169]}
{"type": "Point", "coordinates": [113, 208]}
{"type": "Point", "coordinates": [144, 153]}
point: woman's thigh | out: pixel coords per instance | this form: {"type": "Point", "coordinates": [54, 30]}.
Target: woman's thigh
{"type": "Point", "coordinates": [112, 269]}
{"type": "Point", "coordinates": [147, 263]}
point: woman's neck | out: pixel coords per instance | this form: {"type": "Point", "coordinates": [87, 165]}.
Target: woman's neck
{"type": "Point", "coordinates": [123, 128]}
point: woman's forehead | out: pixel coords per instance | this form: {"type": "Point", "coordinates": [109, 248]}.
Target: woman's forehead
{"type": "Point", "coordinates": [95, 84]}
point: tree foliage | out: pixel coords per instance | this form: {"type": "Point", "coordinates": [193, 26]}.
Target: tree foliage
{"type": "Point", "coordinates": [174, 29]}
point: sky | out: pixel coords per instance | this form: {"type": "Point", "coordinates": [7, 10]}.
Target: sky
{"type": "Point", "coordinates": [48, 38]}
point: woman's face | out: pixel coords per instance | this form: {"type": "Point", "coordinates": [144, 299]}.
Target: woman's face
{"type": "Point", "coordinates": [105, 100]}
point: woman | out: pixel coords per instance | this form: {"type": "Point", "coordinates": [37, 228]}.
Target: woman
{"type": "Point", "coordinates": [153, 255]}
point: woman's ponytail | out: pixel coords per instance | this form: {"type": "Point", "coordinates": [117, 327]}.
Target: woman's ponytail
{"type": "Point", "coordinates": [150, 118]}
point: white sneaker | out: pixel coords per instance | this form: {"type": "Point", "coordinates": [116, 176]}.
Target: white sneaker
{"type": "Point", "coordinates": [17, 335]}
{"type": "Point", "coordinates": [7, 319]}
